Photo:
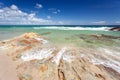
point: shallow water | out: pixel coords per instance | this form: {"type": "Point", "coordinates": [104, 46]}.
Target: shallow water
{"type": "Point", "coordinates": [59, 36]}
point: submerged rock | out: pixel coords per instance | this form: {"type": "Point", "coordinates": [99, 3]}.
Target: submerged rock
{"type": "Point", "coordinates": [36, 59]}
{"type": "Point", "coordinates": [104, 36]}
{"type": "Point", "coordinates": [115, 29]}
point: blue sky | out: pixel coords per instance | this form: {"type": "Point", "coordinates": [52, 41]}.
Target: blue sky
{"type": "Point", "coordinates": [75, 12]}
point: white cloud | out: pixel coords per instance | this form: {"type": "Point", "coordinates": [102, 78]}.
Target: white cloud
{"type": "Point", "coordinates": [38, 6]}
{"type": "Point", "coordinates": [49, 17]}
{"type": "Point", "coordinates": [14, 7]}
{"type": "Point", "coordinates": [13, 15]}
{"type": "Point", "coordinates": [99, 22]}
{"type": "Point", "coordinates": [54, 10]}
{"type": "Point", "coordinates": [118, 22]}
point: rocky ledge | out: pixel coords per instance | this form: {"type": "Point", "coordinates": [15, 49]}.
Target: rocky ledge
{"type": "Point", "coordinates": [33, 57]}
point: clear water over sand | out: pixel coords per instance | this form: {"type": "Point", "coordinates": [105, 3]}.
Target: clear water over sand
{"type": "Point", "coordinates": [58, 36]}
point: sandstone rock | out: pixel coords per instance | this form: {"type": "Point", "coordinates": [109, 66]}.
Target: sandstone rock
{"type": "Point", "coordinates": [36, 60]}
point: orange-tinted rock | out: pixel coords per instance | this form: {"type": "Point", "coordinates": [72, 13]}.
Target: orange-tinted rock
{"type": "Point", "coordinates": [61, 64]}
{"type": "Point", "coordinates": [43, 68]}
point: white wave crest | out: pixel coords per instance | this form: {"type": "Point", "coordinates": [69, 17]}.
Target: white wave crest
{"type": "Point", "coordinates": [74, 28]}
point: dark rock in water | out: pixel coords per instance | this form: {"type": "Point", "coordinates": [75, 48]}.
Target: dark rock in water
{"type": "Point", "coordinates": [115, 29]}
{"type": "Point", "coordinates": [104, 36]}
{"type": "Point", "coordinates": [46, 33]}
{"type": "Point", "coordinates": [110, 37]}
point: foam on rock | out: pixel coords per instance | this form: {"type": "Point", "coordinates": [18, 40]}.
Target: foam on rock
{"type": "Point", "coordinates": [36, 59]}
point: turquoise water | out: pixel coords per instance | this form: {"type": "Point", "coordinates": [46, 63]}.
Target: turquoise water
{"type": "Point", "coordinates": [58, 34]}
{"type": "Point", "coordinates": [18, 30]}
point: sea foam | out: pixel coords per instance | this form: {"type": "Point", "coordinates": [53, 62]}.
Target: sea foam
{"type": "Point", "coordinates": [37, 54]}
{"type": "Point", "coordinates": [111, 59]}
{"type": "Point", "coordinates": [74, 28]}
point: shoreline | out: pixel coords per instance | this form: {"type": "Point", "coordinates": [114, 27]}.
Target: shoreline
{"type": "Point", "coordinates": [35, 53]}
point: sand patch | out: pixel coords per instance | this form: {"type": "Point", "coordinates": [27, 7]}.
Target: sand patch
{"type": "Point", "coordinates": [7, 68]}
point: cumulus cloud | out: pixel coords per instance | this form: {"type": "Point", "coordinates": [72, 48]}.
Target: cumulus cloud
{"type": "Point", "coordinates": [54, 10]}
{"type": "Point", "coordinates": [99, 22]}
{"type": "Point", "coordinates": [13, 15]}
{"type": "Point", "coordinates": [38, 6]}
{"type": "Point", "coordinates": [14, 7]}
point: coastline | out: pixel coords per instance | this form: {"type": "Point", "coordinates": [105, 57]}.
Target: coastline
{"type": "Point", "coordinates": [60, 40]}
{"type": "Point", "coordinates": [37, 54]}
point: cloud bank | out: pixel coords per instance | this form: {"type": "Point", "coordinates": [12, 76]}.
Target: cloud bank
{"type": "Point", "coordinates": [99, 22]}
{"type": "Point", "coordinates": [13, 15]}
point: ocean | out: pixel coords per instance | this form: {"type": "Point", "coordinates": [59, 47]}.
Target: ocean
{"type": "Point", "coordinates": [57, 33]}
{"type": "Point", "coordinates": [9, 31]}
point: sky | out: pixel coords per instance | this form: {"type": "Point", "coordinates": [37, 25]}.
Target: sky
{"type": "Point", "coordinates": [59, 12]}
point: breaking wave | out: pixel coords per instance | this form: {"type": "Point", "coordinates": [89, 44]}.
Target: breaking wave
{"type": "Point", "coordinates": [74, 28]}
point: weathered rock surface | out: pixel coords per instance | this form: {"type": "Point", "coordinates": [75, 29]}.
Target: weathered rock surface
{"type": "Point", "coordinates": [37, 59]}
